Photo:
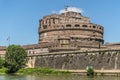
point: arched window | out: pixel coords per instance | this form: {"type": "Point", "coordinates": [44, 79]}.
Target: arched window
{"type": "Point", "coordinates": [44, 26]}
{"type": "Point", "coordinates": [100, 28]}
{"type": "Point", "coordinates": [77, 25]}
{"type": "Point", "coordinates": [68, 25]}
{"type": "Point", "coordinates": [94, 26]}
{"type": "Point", "coordinates": [84, 25]}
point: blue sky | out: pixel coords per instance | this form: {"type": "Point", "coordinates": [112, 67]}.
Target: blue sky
{"type": "Point", "coordinates": [19, 19]}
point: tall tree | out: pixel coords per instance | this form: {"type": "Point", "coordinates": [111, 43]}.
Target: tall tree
{"type": "Point", "coordinates": [15, 58]}
{"type": "Point", "coordinates": [1, 62]}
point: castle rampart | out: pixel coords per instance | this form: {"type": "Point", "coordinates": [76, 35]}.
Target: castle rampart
{"type": "Point", "coordinates": [100, 60]}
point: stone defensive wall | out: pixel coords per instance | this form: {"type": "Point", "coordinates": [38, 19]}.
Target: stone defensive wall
{"type": "Point", "coordinates": [98, 59]}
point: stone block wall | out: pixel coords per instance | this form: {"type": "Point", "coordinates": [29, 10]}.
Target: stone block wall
{"type": "Point", "coordinates": [80, 60]}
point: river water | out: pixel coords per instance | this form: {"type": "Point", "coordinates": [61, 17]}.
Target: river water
{"type": "Point", "coordinates": [54, 77]}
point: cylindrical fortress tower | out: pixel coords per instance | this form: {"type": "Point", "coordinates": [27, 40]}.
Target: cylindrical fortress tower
{"type": "Point", "coordinates": [70, 29]}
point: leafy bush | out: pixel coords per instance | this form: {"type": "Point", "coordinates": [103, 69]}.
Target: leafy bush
{"type": "Point", "coordinates": [2, 70]}
{"type": "Point", "coordinates": [90, 71]}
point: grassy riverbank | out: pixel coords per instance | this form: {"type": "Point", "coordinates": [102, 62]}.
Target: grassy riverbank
{"type": "Point", "coordinates": [41, 71]}
{"type": "Point", "coordinates": [36, 71]}
{"type": "Point", "coordinates": [2, 71]}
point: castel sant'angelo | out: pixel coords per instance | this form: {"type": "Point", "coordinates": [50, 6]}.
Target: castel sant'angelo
{"type": "Point", "coordinates": [67, 31]}
{"type": "Point", "coordinates": [70, 31]}
{"type": "Point", "coordinates": [70, 41]}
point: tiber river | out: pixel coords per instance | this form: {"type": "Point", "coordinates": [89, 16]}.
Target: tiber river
{"type": "Point", "coordinates": [54, 77]}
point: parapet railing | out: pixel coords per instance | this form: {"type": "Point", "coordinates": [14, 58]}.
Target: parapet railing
{"type": "Point", "coordinates": [74, 52]}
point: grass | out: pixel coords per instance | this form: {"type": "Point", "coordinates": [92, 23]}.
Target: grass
{"type": "Point", "coordinates": [36, 71]}
{"type": "Point", "coordinates": [2, 70]}
{"type": "Point", "coordinates": [41, 71]}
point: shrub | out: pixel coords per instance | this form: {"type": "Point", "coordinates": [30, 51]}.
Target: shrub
{"type": "Point", "coordinates": [90, 71]}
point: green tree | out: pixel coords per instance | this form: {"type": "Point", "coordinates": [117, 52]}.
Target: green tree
{"type": "Point", "coordinates": [15, 58]}
{"type": "Point", "coordinates": [1, 62]}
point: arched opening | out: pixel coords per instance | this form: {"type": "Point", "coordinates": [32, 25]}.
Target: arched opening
{"type": "Point", "coordinates": [77, 25]}
{"type": "Point", "coordinates": [44, 26]}
{"type": "Point", "coordinates": [84, 26]}
{"type": "Point", "coordinates": [94, 26]}
{"type": "Point", "coordinates": [68, 25]}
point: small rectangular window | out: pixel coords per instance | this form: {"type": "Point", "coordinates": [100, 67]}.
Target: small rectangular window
{"type": "Point", "coordinates": [68, 25]}
{"type": "Point", "coordinates": [77, 25]}
{"type": "Point", "coordinates": [94, 26]}
{"type": "Point", "coordinates": [44, 26]}
{"type": "Point", "coordinates": [84, 26]}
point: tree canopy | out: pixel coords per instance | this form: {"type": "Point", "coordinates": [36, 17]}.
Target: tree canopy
{"type": "Point", "coordinates": [15, 58]}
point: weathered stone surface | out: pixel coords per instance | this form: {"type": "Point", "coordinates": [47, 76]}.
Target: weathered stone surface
{"type": "Point", "coordinates": [99, 60]}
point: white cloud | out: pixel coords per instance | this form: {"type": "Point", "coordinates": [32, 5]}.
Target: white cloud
{"type": "Point", "coordinates": [73, 9]}
{"type": "Point", "coordinates": [54, 12]}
